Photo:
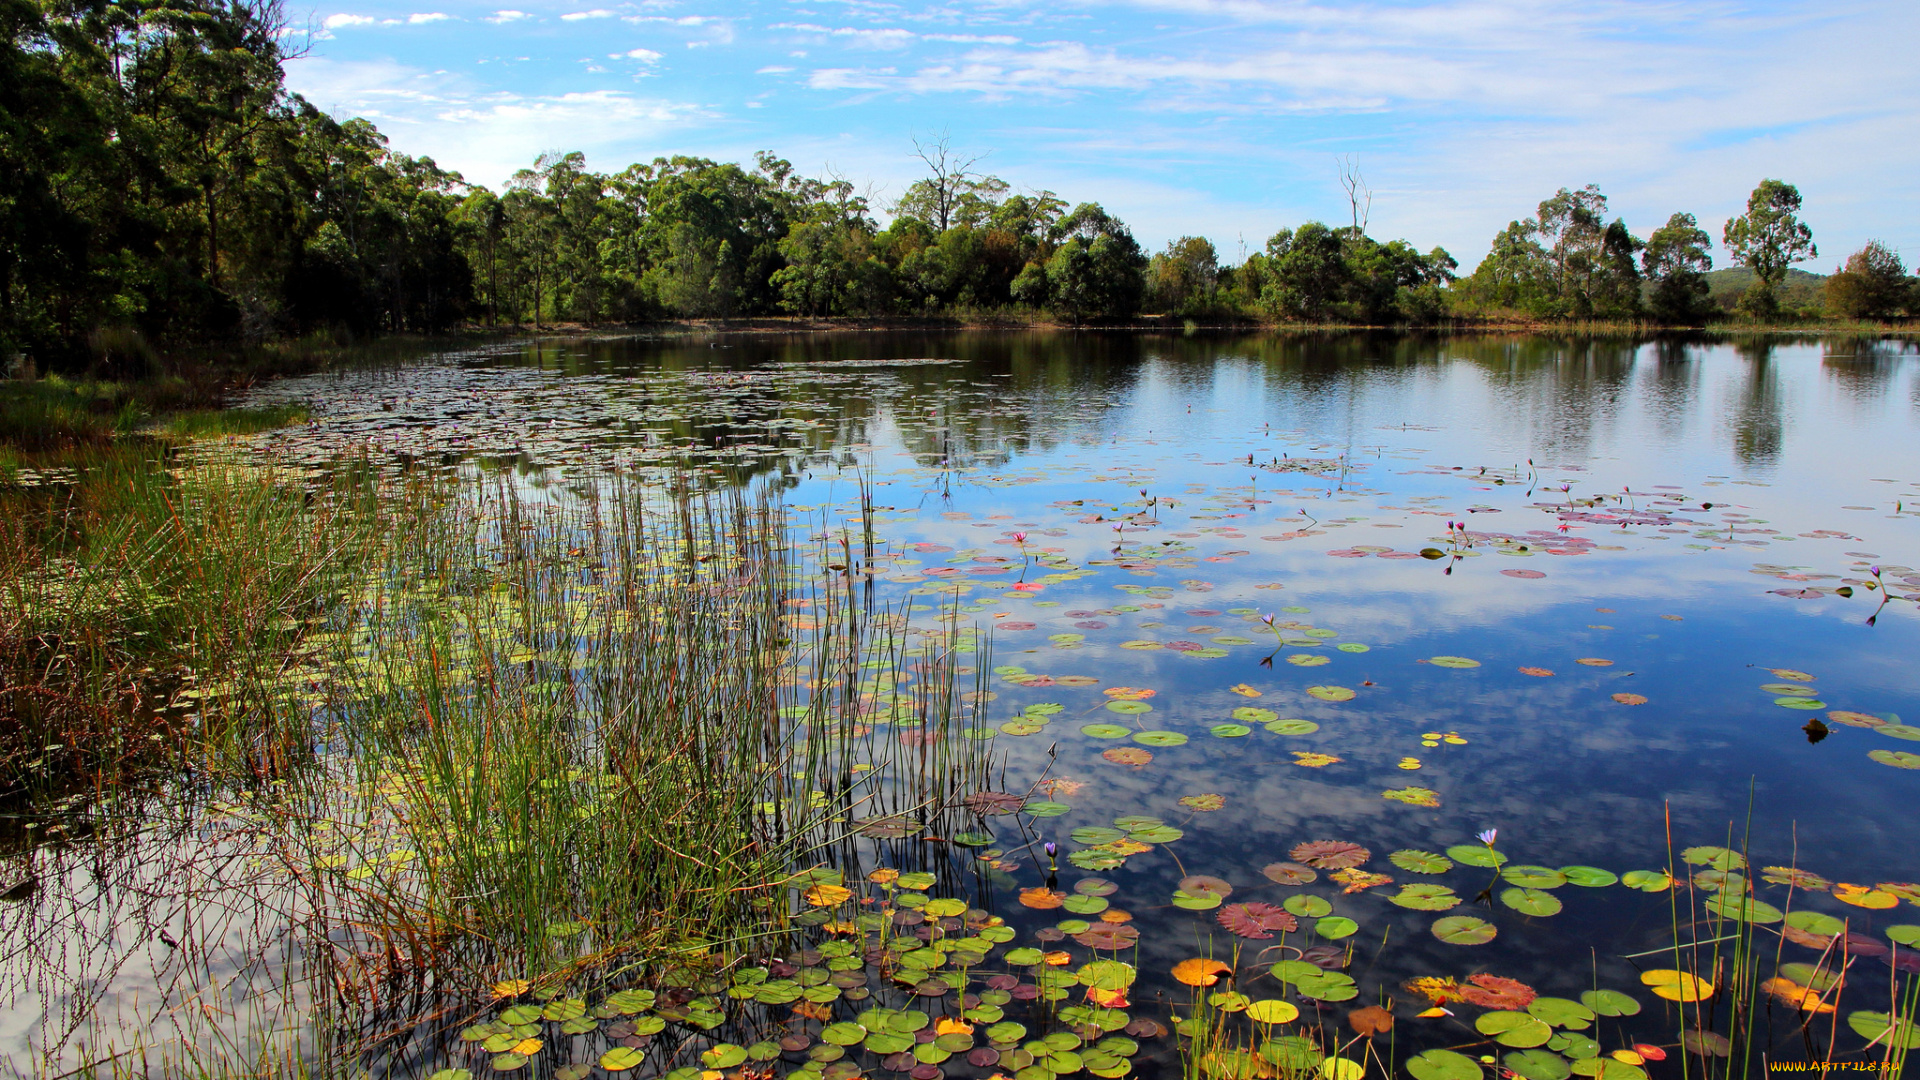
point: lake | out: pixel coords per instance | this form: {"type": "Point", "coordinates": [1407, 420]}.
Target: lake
{"type": "Point", "coordinates": [1552, 683]}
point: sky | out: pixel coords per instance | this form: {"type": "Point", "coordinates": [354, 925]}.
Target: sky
{"type": "Point", "coordinates": [1228, 119]}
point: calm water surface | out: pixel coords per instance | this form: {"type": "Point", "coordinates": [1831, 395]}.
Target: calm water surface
{"type": "Point", "coordinates": [1639, 613]}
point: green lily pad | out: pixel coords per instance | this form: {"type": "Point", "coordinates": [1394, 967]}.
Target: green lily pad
{"type": "Point", "coordinates": [1717, 858]}
{"type": "Point", "coordinates": [1537, 1065]}
{"type": "Point", "coordinates": [1160, 738]}
{"type": "Point", "coordinates": [1515, 1029]}
{"type": "Point", "coordinates": [1560, 1012]}
{"type": "Point", "coordinates": [1096, 834]}
{"type": "Point", "coordinates": [1814, 922]}
{"type": "Point", "coordinates": [1230, 731]}
{"type": "Point", "coordinates": [1476, 855]}
{"type": "Point", "coordinates": [1335, 927]}
{"type": "Point", "coordinates": [1129, 708]}
{"type": "Point", "coordinates": [1106, 731]}
{"type": "Point", "coordinates": [1082, 904]}
{"type": "Point", "coordinates": [1464, 930]}
{"type": "Point", "coordinates": [1904, 935]}
{"type": "Point", "coordinates": [1420, 862]}
{"type": "Point", "coordinates": [1307, 906]}
{"type": "Point", "coordinates": [1806, 703]}
{"type": "Point", "coordinates": [1042, 808]}
{"type": "Point", "coordinates": [1591, 877]}
{"type": "Point", "coordinates": [1531, 901]}
{"type": "Point", "coordinates": [1743, 909]}
{"type": "Point", "coordinates": [1874, 1026]}
{"type": "Point", "coordinates": [1533, 877]}
{"type": "Point", "coordinates": [1646, 880]}
{"type": "Point", "coordinates": [1452, 662]}
{"type": "Point", "coordinates": [1351, 647]}
{"type": "Point", "coordinates": [1294, 1052]}
{"type": "Point", "coordinates": [843, 1034]}
{"type": "Point", "coordinates": [1610, 1003]}
{"type": "Point", "coordinates": [1195, 901]}
{"type": "Point", "coordinates": [1443, 1065]}
{"type": "Point", "coordinates": [1899, 759]}
{"type": "Point", "coordinates": [724, 1056]}
{"type": "Point", "coordinates": [888, 1042]}
{"type": "Point", "coordinates": [1330, 693]}
{"type": "Point", "coordinates": [1425, 897]}
{"type": "Point", "coordinates": [1253, 714]}
{"type": "Point", "coordinates": [1292, 726]}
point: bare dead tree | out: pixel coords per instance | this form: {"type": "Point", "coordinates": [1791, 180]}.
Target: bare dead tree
{"type": "Point", "coordinates": [951, 174]}
{"type": "Point", "coordinates": [1359, 195]}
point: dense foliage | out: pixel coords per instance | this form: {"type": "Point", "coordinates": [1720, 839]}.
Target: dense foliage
{"type": "Point", "coordinates": [159, 185]}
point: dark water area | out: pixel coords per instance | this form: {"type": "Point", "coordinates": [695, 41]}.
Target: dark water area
{"type": "Point", "coordinates": [1611, 598]}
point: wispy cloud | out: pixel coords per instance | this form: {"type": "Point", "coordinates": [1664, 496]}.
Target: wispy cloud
{"type": "Point", "coordinates": [507, 16]}
{"type": "Point", "coordinates": [341, 22]}
{"type": "Point", "coordinates": [428, 17]}
{"type": "Point", "coordinates": [579, 16]}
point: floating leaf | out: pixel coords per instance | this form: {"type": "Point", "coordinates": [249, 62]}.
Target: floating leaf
{"type": "Point", "coordinates": [1293, 726]}
{"type": "Point", "coordinates": [1204, 803]}
{"type": "Point", "coordinates": [828, 895]}
{"type": "Point", "coordinates": [1425, 897]}
{"type": "Point", "coordinates": [1252, 715]}
{"type": "Point", "coordinates": [1630, 699]}
{"type": "Point", "coordinates": [1497, 992]}
{"type": "Point", "coordinates": [1882, 1030]}
{"type": "Point", "coordinates": [1286, 873]}
{"type": "Point", "coordinates": [1256, 920]}
{"type": "Point", "coordinates": [1330, 854]}
{"type": "Point", "coordinates": [1352, 647]}
{"type": "Point", "coordinates": [1610, 1003]}
{"type": "Point", "coordinates": [1308, 906]}
{"type": "Point", "coordinates": [1229, 731]}
{"type": "Point", "coordinates": [1531, 901]}
{"type": "Point", "coordinates": [1335, 927]}
{"type": "Point", "coordinates": [1533, 877]}
{"type": "Point", "coordinates": [1443, 1065]}
{"type": "Point", "coordinates": [1129, 708]}
{"type": "Point", "coordinates": [1862, 896]}
{"type": "Point", "coordinates": [1273, 1011]}
{"type": "Point", "coordinates": [1041, 808]}
{"type": "Point", "coordinates": [1646, 880]}
{"type": "Point", "coordinates": [1452, 662]}
{"type": "Point", "coordinates": [1676, 985]}
{"type": "Point", "coordinates": [1106, 731]}
{"type": "Point", "coordinates": [1561, 1012]}
{"type": "Point", "coordinates": [1464, 930]}
{"type": "Point", "coordinates": [1594, 661]}
{"type": "Point", "coordinates": [1042, 898]}
{"type": "Point", "coordinates": [1899, 759]}
{"type": "Point", "coordinates": [1202, 883]}
{"type": "Point", "coordinates": [1516, 1029]}
{"type": "Point", "coordinates": [1244, 690]}
{"type": "Point", "coordinates": [1591, 877]}
{"type": "Point", "coordinates": [1160, 738]}
{"type": "Point", "coordinates": [1537, 1065]}
{"type": "Point", "coordinates": [1420, 862]}
{"type": "Point", "coordinates": [1537, 672]}
{"type": "Point", "coordinates": [1413, 796]}
{"type": "Point", "coordinates": [1128, 755]}
{"type": "Point", "coordinates": [1476, 855]}
{"type": "Point", "coordinates": [1815, 922]}
{"type": "Point", "coordinates": [1743, 909]}
{"type": "Point", "coordinates": [1200, 971]}
{"type": "Point", "coordinates": [1330, 693]}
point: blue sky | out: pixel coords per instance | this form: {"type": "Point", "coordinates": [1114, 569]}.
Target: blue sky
{"type": "Point", "coordinates": [1221, 118]}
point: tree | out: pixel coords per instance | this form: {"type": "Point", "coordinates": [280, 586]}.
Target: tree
{"type": "Point", "coordinates": [1309, 273]}
{"type": "Point", "coordinates": [1872, 285]}
{"type": "Point", "coordinates": [1098, 271]}
{"type": "Point", "coordinates": [1182, 279]}
{"type": "Point", "coordinates": [1768, 239]}
{"type": "Point", "coordinates": [953, 194]}
{"type": "Point", "coordinates": [1675, 264]}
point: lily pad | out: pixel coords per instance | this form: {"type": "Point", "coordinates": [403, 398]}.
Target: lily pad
{"type": "Point", "coordinates": [1254, 715]}
{"type": "Point", "coordinates": [1106, 731]}
{"type": "Point", "coordinates": [1718, 858]}
{"type": "Point", "coordinates": [1464, 930]}
{"type": "Point", "coordinates": [1591, 877]}
{"type": "Point", "coordinates": [1561, 1012]}
{"type": "Point", "coordinates": [1308, 906]}
{"type": "Point", "coordinates": [1452, 662]}
{"type": "Point", "coordinates": [1516, 1029]}
{"type": "Point", "coordinates": [1331, 693]}
{"type": "Point", "coordinates": [1476, 855]}
{"type": "Point", "coordinates": [1533, 877]}
{"type": "Point", "coordinates": [1129, 708]}
{"type": "Point", "coordinates": [1531, 901]}
{"type": "Point", "coordinates": [1335, 927]}
{"type": "Point", "coordinates": [1420, 862]}
{"type": "Point", "coordinates": [1744, 909]}
{"type": "Point", "coordinates": [1160, 738]}
{"type": "Point", "coordinates": [1815, 922]}
{"type": "Point", "coordinates": [1646, 880]}
{"type": "Point", "coordinates": [1882, 1030]}
{"type": "Point", "coordinates": [1425, 897]}
{"type": "Point", "coordinates": [1443, 1065]}
{"type": "Point", "coordinates": [1293, 726]}
{"type": "Point", "coordinates": [1610, 1003]}
{"type": "Point", "coordinates": [1537, 1065]}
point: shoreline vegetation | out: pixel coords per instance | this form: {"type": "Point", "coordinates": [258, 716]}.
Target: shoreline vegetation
{"type": "Point", "coordinates": [169, 203]}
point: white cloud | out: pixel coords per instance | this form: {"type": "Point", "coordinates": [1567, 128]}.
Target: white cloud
{"type": "Point", "coordinates": [643, 55]}
{"type": "Point", "coordinates": [487, 135]}
{"type": "Point", "coordinates": [337, 22]}
{"type": "Point", "coordinates": [773, 69]}
{"type": "Point", "coordinates": [508, 16]}
{"type": "Point", "coordinates": [577, 16]}
{"type": "Point", "coordinates": [428, 17]}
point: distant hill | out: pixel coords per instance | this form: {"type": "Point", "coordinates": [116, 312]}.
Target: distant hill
{"type": "Point", "coordinates": [1800, 290]}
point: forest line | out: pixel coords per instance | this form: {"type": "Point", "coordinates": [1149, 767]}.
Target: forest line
{"type": "Point", "coordinates": [162, 187]}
